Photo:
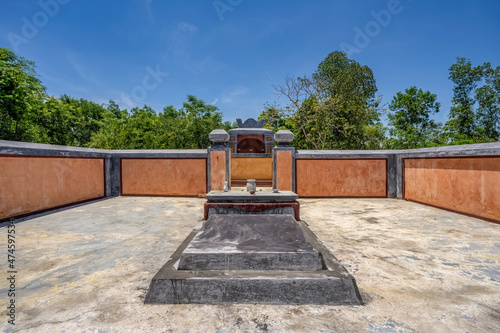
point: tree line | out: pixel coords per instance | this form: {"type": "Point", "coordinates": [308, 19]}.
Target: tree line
{"type": "Point", "coordinates": [28, 114]}
{"type": "Point", "coordinates": [334, 108]}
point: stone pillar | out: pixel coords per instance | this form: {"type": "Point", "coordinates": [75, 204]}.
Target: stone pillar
{"type": "Point", "coordinates": [113, 176]}
{"type": "Point", "coordinates": [284, 161]}
{"type": "Point", "coordinates": [218, 162]}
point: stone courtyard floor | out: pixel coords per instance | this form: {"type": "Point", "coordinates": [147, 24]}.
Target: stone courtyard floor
{"type": "Point", "coordinates": [419, 269]}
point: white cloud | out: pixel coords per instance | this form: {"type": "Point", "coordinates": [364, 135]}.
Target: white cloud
{"type": "Point", "coordinates": [215, 101]}
{"type": "Point", "coordinates": [230, 97]}
{"type": "Point", "coordinates": [187, 27]}
{"type": "Point", "coordinates": [148, 7]}
{"type": "Point", "coordinates": [125, 101]}
{"type": "Point", "coordinates": [80, 69]}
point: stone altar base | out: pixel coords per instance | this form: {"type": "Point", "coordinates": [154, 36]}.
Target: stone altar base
{"type": "Point", "coordinates": [269, 259]}
{"type": "Point", "coordinates": [283, 202]}
{"type": "Point", "coordinates": [292, 208]}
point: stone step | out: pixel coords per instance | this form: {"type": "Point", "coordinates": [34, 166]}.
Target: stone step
{"type": "Point", "coordinates": [243, 242]}
{"type": "Point", "coordinates": [331, 285]}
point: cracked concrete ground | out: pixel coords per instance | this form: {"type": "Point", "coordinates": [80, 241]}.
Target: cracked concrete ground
{"type": "Point", "coordinates": [419, 269]}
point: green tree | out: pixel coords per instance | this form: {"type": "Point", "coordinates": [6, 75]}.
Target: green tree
{"type": "Point", "coordinates": [143, 128]}
{"type": "Point", "coordinates": [113, 134]}
{"type": "Point", "coordinates": [86, 118]}
{"type": "Point", "coordinates": [336, 107]}
{"type": "Point", "coordinates": [488, 98]}
{"type": "Point", "coordinates": [21, 99]}
{"type": "Point", "coordinates": [275, 118]}
{"type": "Point", "coordinates": [201, 119]}
{"type": "Point", "coordinates": [135, 130]}
{"type": "Point", "coordinates": [58, 121]}
{"type": "Point", "coordinates": [70, 121]}
{"type": "Point", "coordinates": [475, 114]}
{"type": "Point", "coordinates": [411, 126]}
{"type": "Point", "coordinates": [189, 126]}
{"type": "Point", "coordinates": [461, 123]}
{"type": "Point", "coordinates": [114, 108]}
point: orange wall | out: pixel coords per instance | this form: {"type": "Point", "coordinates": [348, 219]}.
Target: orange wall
{"type": "Point", "coordinates": [341, 178]}
{"type": "Point", "coordinates": [284, 170]}
{"type": "Point", "coordinates": [252, 168]}
{"type": "Point", "coordinates": [164, 176]}
{"type": "Point", "coordinates": [30, 184]}
{"type": "Point", "coordinates": [468, 185]}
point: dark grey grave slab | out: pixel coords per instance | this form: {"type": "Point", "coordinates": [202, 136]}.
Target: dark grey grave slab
{"type": "Point", "coordinates": [331, 285]}
{"type": "Point", "coordinates": [246, 197]}
{"type": "Point", "coordinates": [257, 242]}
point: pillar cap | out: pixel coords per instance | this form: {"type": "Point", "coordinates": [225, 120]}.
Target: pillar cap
{"type": "Point", "coordinates": [218, 136]}
{"type": "Point", "coordinates": [284, 137]}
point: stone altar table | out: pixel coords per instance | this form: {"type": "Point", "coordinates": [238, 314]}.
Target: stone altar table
{"type": "Point", "coordinates": [265, 202]}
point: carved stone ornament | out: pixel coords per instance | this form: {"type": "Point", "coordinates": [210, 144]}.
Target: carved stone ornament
{"type": "Point", "coordinates": [250, 123]}
{"type": "Point", "coordinates": [218, 136]}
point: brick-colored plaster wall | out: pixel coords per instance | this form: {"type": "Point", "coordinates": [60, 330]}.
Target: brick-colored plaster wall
{"type": "Point", "coordinates": [252, 168]}
{"type": "Point", "coordinates": [467, 185]}
{"type": "Point", "coordinates": [218, 169]}
{"type": "Point", "coordinates": [284, 170]}
{"type": "Point", "coordinates": [30, 184]}
{"type": "Point", "coordinates": [341, 178]}
{"type": "Point", "coordinates": [164, 176]}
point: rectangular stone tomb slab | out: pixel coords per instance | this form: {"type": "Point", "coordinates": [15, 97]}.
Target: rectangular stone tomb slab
{"type": "Point", "coordinates": [331, 285]}
{"type": "Point", "coordinates": [257, 242]}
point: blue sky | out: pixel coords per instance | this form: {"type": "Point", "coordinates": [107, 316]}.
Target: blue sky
{"type": "Point", "coordinates": [230, 52]}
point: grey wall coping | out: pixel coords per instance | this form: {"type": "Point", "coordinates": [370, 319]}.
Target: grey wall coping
{"type": "Point", "coordinates": [479, 149]}
{"type": "Point", "coordinates": [161, 153]}
{"type": "Point", "coordinates": [40, 149]}
{"type": "Point", "coordinates": [27, 148]}
{"type": "Point", "coordinates": [326, 154]}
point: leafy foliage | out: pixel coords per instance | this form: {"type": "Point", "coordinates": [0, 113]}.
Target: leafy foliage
{"type": "Point", "coordinates": [465, 77]}
{"type": "Point", "coordinates": [411, 126]}
{"type": "Point", "coordinates": [335, 108]}
{"type": "Point", "coordinates": [475, 114]}
{"type": "Point", "coordinates": [21, 97]}
{"type": "Point", "coordinates": [70, 121]}
{"type": "Point", "coordinates": [143, 128]}
{"type": "Point", "coordinates": [488, 98]}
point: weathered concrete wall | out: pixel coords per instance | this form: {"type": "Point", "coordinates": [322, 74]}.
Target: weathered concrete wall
{"type": "Point", "coordinates": [466, 184]}
{"type": "Point", "coordinates": [341, 177]}
{"type": "Point", "coordinates": [165, 176]}
{"type": "Point", "coordinates": [29, 184]}
{"type": "Point", "coordinates": [252, 168]}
